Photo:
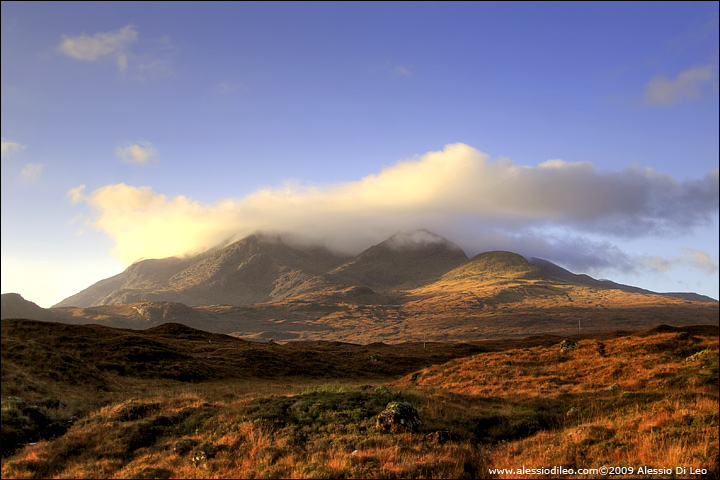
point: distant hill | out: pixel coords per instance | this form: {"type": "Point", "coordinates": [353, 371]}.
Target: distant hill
{"type": "Point", "coordinates": [15, 306]}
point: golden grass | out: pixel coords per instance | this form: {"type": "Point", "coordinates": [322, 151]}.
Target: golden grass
{"type": "Point", "coordinates": [647, 399]}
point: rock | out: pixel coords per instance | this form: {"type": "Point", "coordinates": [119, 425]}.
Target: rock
{"type": "Point", "coordinates": [398, 417]}
{"type": "Point", "coordinates": [568, 344]}
{"type": "Point", "coordinates": [612, 388]}
{"type": "Point", "coordinates": [382, 390]}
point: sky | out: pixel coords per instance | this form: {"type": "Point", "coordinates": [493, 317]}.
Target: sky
{"type": "Point", "coordinates": [582, 133]}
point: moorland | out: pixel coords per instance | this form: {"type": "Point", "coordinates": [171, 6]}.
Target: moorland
{"type": "Point", "coordinates": [175, 402]}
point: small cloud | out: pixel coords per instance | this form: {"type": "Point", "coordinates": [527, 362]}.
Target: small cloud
{"type": "Point", "coordinates": [141, 152]}
{"type": "Point", "coordinates": [31, 171]}
{"type": "Point", "coordinates": [76, 194]}
{"type": "Point", "coordinates": [655, 263]}
{"type": "Point", "coordinates": [102, 44]}
{"type": "Point", "coordinates": [394, 69]}
{"type": "Point", "coordinates": [401, 70]}
{"type": "Point", "coordinates": [8, 148]}
{"type": "Point", "coordinates": [228, 87]}
{"type": "Point", "coordinates": [691, 257]}
{"type": "Point", "coordinates": [699, 259]}
{"type": "Point", "coordinates": [688, 85]}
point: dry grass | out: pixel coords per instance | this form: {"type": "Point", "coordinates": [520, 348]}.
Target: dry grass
{"type": "Point", "coordinates": [647, 399]}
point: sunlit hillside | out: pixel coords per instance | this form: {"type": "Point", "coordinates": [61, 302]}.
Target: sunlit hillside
{"type": "Point", "coordinates": [645, 399]}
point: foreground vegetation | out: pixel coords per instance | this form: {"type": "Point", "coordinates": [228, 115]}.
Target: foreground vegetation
{"type": "Point", "coordinates": [646, 399]}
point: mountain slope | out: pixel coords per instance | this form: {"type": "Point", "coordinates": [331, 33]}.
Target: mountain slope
{"type": "Point", "coordinates": [255, 269]}
{"type": "Point", "coordinates": [15, 306]}
{"type": "Point", "coordinates": [550, 270]}
{"type": "Point", "coordinates": [404, 260]}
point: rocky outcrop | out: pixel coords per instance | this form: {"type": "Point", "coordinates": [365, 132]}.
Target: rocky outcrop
{"type": "Point", "coordinates": [398, 417]}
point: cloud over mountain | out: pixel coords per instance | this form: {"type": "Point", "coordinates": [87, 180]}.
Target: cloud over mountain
{"type": "Point", "coordinates": [451, 191]}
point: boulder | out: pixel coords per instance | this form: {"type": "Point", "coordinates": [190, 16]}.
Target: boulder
{"type": "Point", "coordinates": [398, 417]}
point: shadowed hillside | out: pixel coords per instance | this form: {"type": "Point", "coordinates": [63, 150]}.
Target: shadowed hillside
{"type": "Point", "coordinates": [256, 269]}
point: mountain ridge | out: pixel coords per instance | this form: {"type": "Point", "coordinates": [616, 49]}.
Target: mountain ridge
{"type": "Point", "coordinates": [412, 286]}
{"type": "Point", "coordinates": [263, 268]}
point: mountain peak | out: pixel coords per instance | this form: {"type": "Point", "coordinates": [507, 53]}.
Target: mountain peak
{"type": "Point", "coordinates": [407, 259]}
{"type": "Point", "coordinates": [414, 239]}
{"type": "Point", "coordinates": [495, 265]}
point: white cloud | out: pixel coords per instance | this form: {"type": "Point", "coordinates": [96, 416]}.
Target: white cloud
{"type": "Point", "coordinates": [688, 85]}
{"type": "Point", "coordinates": [8, 148]}
{"type": "Point", "coordinates": [656, 263]}
{"type": "Point", "coordinates": [76, 194]}
{"type": "Point", "coordinates": [103, 44]}
{"type": "Point", "coordinates": [691, 257]}
{"type": "Point", "coordinates": [146, 60]}
{"type": "Point", "coordinates": [31, 171]}
{"type": "Point", "coordinates": [441, 191]}
{"type": "Point", "coordinates": [141, 152]}
{"type": "Point", "coordinates": [699, 259]}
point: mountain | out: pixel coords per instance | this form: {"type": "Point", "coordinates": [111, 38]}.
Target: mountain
{"type": "Point", "coordinates": [405, 260]}
{"type": "Point", "coordinates": [256, 269]}
{"type": "Point", "coordinates": [414, 285]}
{"type": "Point", "coordinates": [262, 268]}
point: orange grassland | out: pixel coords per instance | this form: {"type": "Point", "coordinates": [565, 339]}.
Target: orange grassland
{"type": "Point", "coordinates": [624, 399]}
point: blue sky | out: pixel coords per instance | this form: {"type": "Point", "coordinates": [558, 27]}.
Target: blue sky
{"type": "Point", "coordinates": [583, 133]}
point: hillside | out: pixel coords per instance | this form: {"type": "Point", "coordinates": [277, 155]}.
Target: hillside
{"type": "Point", "coordinates": [403, 261]}
{"type": "Point", "coordinates": [269, 269]}
{"type": "Point", "coordinates": [170, 401]}
{"type": "Point", "coordinates": [13, 305]}
{"type": "Point", "coordinates": [256, 269]}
